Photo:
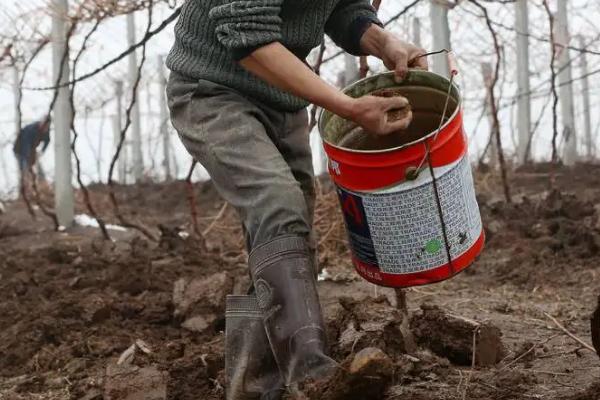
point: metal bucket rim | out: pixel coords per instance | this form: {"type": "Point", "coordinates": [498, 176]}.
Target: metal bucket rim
{"type": "Point", "coordinates": [452, 117]}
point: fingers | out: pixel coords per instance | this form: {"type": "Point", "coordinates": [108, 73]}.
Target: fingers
{"type": "Point", "coordinates": [419, 61]}
{"type": "Point", "coordinates": [390, 104]}
{"type": "Point", "coordinates": [401, 124]}
{"type": "Point", "coordinates": [399, 56]}
{"type": "Point", "coordinates": [401, 65]}
{"type": "Point", "coordinates": [395, 103]}
{"type": "Point", "coordinates": [396, 126]}
{"type": "Point", "coordinates": [378, 115]}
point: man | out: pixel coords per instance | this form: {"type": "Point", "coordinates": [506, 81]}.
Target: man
{"type": "Point", "coordinates": [238, 94]}
{"type": "Point", "coordinates": [28, 141]}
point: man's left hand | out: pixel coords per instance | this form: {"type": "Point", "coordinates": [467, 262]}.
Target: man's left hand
{"type": "Point", "coordinates": [396, 54]}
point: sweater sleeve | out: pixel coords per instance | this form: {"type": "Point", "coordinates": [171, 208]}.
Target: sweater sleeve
{"type": "Point", "coordinates": [243, 26]}
{"type": "Point", "coordinates": [348, 23]}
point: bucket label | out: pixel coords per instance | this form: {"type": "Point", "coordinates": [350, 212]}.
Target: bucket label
{"type": "Point", "coordinates": [403, 223]}
{"type": "Point", "coordinates": [357, 226]}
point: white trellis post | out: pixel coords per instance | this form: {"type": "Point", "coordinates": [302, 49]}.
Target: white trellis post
{"type": "Point", "coordinates": [136, 130]}
{"type": "Point", "coordinates": [164, 118]}
{"type": "Point", "coordinates": [416, 33]}
{"type": "Point", "coordinates": [122, 160]}
{"type": "Point", "coordinates": [63, 188]}
{"type": "Point", "coordinates": [523, 82]}
{"type": "Point", "coordinates": [100, 145]}
{"type": "Point", "coordinates": [351, 70]}
{"type": "Point", "coordinates": [320, 160]}
{"type": "Point", "coordinates": [585, 93]}
{"type": "Point", "coordinates": [441, 35]}
{"type": "Point", "coordinates": [565, 80]}
{"type": "Point", "coordinates": [17, 100]}
{"type": "Point", "coordinates": [174, 163]}
{"type": "Point", "coordinates": [317, 146]}
{"type": "Point", "coordinates": [17, 115]}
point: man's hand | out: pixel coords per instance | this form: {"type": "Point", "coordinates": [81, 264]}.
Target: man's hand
{"type": "Point", "coordinates": [396, 54]}
{"type": "Point", "coordinates": [373, 114]}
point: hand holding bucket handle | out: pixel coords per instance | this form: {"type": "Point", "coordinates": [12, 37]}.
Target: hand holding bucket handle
{"type": "Point", "coordinates": [452, 64]}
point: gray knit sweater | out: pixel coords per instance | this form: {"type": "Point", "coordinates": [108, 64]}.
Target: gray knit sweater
{"type": "Point", "coordinates": [211, 36]}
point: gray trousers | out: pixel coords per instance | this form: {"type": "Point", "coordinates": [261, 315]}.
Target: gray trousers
{"type": "Point", "coordinates": [258, 158]}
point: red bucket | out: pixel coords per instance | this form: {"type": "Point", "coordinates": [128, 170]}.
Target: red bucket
{"type": "Point", "coordinates": [404, 227]}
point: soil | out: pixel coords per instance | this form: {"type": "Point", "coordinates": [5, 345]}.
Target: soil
{"type": "Point", "coordinates": [462, 341]}
{"type": "Point", "coordinates": [595, 327]}
{"type": "Point", "coordinates": [73, 305]}
{"type": "Point", "coordinates": [365, 376]}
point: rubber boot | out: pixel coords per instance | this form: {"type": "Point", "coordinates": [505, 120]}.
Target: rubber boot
{"type": "Point", "coordinates": [286, 290]}
{"type": "Point", "coordinates": [251, 370]}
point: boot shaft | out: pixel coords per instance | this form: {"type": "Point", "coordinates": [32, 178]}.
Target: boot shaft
{"type": "Point", "coordinates": [251, 371]}
{"type": "Point", "coordinates": [286, 290]}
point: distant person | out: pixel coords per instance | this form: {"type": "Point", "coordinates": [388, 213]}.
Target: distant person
{"type": "Point", "coordinates": [28, 141]}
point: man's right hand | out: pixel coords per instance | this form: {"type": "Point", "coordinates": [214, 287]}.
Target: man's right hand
{"type": "Point", "coordinates": [373, 114]}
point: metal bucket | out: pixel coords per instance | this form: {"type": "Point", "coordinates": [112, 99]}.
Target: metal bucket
{"type": "Point", "coordinates": [405, 226]}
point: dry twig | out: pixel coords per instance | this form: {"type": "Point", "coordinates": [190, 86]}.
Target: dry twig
{"type": "Point", "coordinates": [216, 220]}
{"type": "Point", "coordinates": [553, 83]}
{"type": "Point", "coordinates": [493, 103]}
{"type": "Point", "coordinates": [191, 195]}
{"type": "Point", "coordinates": [86, 194]}
{"type": "Point", "coordinates": [568, 333]}
{"type": "Point", "coordinates": [122, 220]}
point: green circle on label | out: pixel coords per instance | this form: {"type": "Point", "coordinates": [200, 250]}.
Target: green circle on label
{"type": "Point", "coordinates": [433, 246]}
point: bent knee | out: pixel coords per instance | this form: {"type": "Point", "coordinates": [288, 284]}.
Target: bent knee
{"type": "Point", "coordinates": [283, 211]}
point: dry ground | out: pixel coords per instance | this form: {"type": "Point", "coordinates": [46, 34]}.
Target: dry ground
{"type": "Point", "coordinates": [71, 303]}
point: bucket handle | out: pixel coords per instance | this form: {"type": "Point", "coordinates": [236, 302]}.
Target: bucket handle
{"type": "Point", "coordinates": [413, 172]}
{"type": "Point", "coordinates": [452, 64]}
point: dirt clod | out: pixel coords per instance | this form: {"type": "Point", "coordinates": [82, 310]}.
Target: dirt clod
{"type": "Point", "coordinates": [367, 323]}
{"type": "Point", "coordinates": [96, 309]}
{"type": "Point", "coordinates": [452, 337]}
{"type": "Point", "coordinates": [200, 302]}
{"type": "Point", "coordinates": [365, 375]}
{"type": "Point", "coordinates": [134, 383]}
{"type": "Point", "coordinates": [209, 291]}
